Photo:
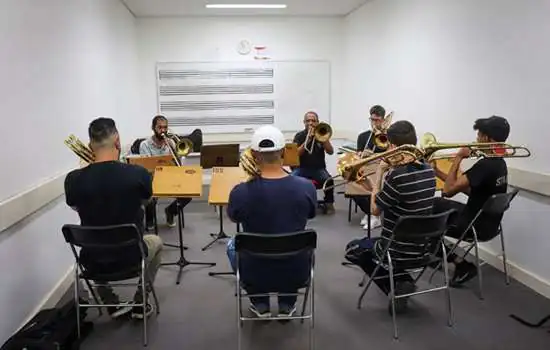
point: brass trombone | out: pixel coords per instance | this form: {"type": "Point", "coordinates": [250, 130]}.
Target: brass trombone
{"type": "Point", "coordinates": [182, 146]}
{"type": "Point", "coordinates": [249, 164]}
{"type": "Point", "coordinates": [321, 133]}
{"type": "Point", "coordinates": [430, 147]}
{"type": "Point", "coordinates": [352, 168]}
{"type": "Point", "coordinates": [380, 134]}
{"type": "Point", "coordinates": [80, 149]}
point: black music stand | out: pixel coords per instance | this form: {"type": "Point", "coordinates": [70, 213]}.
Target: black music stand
{"type": "Point", "coordinates": [219, 156]}
{"type": "Point", "coordinates": [182, 261]}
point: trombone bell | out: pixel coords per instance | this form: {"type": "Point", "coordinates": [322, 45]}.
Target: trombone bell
{"type": "Point", "coordinates": [323, 132]}
{"type": "Point", "coordinates": [184, 147]}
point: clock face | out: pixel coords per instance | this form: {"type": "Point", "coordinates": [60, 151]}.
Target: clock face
{"type": "Point", "coordinates": [244, 47]}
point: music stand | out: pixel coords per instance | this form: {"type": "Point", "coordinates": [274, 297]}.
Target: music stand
{"type": "Point", "coordinates": [179, 182]}
{"type": "Point", "coordinates": [220, 155]}
{"type": "Point", "coordinates": [290, 155]}
{"type": "Point", "coordinates": [223, 181]}
{"type": "Point", "coordinates": [150, 163]}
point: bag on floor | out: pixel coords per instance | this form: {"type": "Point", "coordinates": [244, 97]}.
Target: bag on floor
{"type": "Point", "coordinates": [51, 329]}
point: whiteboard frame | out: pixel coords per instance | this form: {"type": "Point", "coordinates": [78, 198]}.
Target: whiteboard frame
{"type": "Point", "coordinates": [328, 119]}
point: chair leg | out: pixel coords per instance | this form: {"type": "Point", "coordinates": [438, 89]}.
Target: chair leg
{"type": "Point", "coordinates": [144, 302]}
{"type": "Point", "coordinates": [360, 301]}
{"type": "Point", "coordinates": [504, 261]}
{"type": "Point", "coordinates": [239, 314]}
{"type": "Point", "coordinates": [447, 290]}
{"type": "Point", "coordinates": [77, 301]}
{"type": "Point", "coordinates": [478, 266]}
{"type": "Point", "coordinates": [392, 298]}
{"type": "Point", "coordinates": [312, 311]}
{"type": "Point", "coordinates": [363, 280]}
{"type": "Point", "coordinates": [306, 295]}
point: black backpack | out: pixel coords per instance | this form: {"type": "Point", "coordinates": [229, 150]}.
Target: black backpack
{"type": "Point", "coordinates": [51, 329]}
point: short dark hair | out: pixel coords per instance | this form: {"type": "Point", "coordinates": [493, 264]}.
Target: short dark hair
{"type": "Point", "coordinates": [312, 112]}
{"type": "Point", "coordinates": [402, 133]}
{"type": "Point", "coordinates": [495, 127]}
{"type": "Point", "coordinates": [378, 110]}
{"type": "Point", "coordinates": [156, 120]}
{"type": "Point", "coordinates": [101, 131]}
{"type": "Point", "coordinates": [270, 157]}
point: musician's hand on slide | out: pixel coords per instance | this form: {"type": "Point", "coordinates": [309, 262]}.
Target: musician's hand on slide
{"type": "Point", "coordinates": [464, 152]}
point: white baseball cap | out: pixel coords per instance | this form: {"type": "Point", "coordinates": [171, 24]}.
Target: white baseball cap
{"type": "Point", "coordinates": [267, 138]}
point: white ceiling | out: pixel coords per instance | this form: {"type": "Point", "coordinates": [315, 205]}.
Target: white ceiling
{"type": "Point", "coordinates": [159, 8]}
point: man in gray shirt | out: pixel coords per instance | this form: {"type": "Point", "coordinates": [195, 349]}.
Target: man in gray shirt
{"type": "Point", "coordinates": [156, 145]}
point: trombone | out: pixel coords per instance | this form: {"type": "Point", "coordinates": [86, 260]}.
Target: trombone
{"type": "Point", "coordinates": [380, 134]}
{"type": "Point", "coordinates": [249, 164]}
{"type": "Point", "coordinates": [430, 147]}
{"type": "Point", "coordinates": [182, 146]}
{"type": "Point", "coordinates": [321, 133]}
{"type": "Point", "coordinates": [80, 149]}
{"type": "Point", "coordinates": [352, 168]}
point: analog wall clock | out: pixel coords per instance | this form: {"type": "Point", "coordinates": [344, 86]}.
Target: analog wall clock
{"type": "Point", "coordinates": [244, 47]}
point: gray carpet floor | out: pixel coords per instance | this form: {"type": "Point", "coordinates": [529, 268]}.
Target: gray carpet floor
{"type": "Point", "coordinates": [200, 313]}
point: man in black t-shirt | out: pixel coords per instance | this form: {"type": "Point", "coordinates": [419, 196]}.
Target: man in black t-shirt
{"type": "Point", "coordinates": [365, 146]}
{"type": "Point", "coordinates": [486, 177]}
{"type": "Point", "coordinates": [109, 192]}
{"type": "Point", "coordinates": [312, 164]}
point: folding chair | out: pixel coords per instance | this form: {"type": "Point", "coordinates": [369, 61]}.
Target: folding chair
{"type": "Point", "coordinates": [496, 205]}
{"type": "Point", "coordinates": [413, 247]}
{"type": "Point", "coordinates": [272, 249]}
{"type": "Point", "coordinates": [321, 204]}
{"type": "Point", "coordinates": [117, 240]}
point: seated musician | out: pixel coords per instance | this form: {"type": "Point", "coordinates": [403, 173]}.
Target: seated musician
{"type": "Point", "coordinates": [407, 190]}
{"type": "Point", "coordinates": [157, 145]}
{"type": "Point", "coordinates": [109, 192]}
{"type": "Point", "coordinates": [273, 203]}
{"type": "Point", "coordinates": [313, 165]}
{"type": "Point", "coordinates": [486, 177]}
{"type": "Point", "coordinates": [365, 147]}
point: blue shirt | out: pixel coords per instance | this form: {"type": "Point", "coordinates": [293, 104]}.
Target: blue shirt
{"type": "Point", "coordinates": [272, 206]}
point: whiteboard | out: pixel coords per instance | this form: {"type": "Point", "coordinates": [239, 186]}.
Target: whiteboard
{"type": "Point", "coordinates": [225, 97]}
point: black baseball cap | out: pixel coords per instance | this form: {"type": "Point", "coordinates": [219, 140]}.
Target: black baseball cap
{"type": "Point", "coordinates": [495, 127]}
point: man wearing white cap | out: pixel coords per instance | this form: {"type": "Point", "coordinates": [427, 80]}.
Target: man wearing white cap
{"type": "Point", "coordinates": [275, 202]}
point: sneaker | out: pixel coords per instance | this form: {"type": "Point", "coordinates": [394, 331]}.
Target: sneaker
{"type": "Point", "coordinates": [374, 223]}
{"type": "Point", "coordinates": [464, 272]}
{"type": "Point", "coordinates": [260, 310]}
{"type": "Point", "coordinates": [402, 304]}
{"type": "Point", "coordinates": [137, 311]}
{"type": "Point", "coordinates": [364, 220]}
{"type": "Point", "coordinates": [170, 219]}
{"type": "Point", "coordinates": [117, 311]}
{"type": "Point", "coordinates": [330, 208]}
{"type": "Point", "coordinates": [287, 310]}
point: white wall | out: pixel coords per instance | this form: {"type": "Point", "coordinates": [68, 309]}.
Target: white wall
{"type": "Point", "coordinates": [443, 63]}
{"type": "Point", "coordinates": [215, 39]}
{"type": "Point", "coordinates": [62, 64]}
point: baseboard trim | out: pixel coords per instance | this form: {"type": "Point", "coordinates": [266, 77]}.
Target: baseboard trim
{"type": "Point", "coordinates": [515, 271]}
{"type": "Point", "coordinates": [54, 296]}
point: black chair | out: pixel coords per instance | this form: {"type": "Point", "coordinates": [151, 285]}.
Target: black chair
{"type": "Point", "coordinates": [110, 241]}
{"type": "Point", "coordinates": [272, 248]}
{"type": "Point", "coordinates": [134, 149]}
{"type": "Point", "coordinates": [496, 205]}
{"type": "Point", "coordinates": [196, 137]}
{"type": "Point", "coordinates": [413, 247]}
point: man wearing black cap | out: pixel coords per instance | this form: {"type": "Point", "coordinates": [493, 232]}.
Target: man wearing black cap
{"type": "Point", "coordinates": [485, 178]}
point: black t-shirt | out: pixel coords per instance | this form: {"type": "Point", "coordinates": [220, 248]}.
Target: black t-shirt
{"type": "Point", "coordinates": [367, 139]}
{"type": "Point", "coordinates": [109, 193]}
{"type": "Point", "coordinates": [315, 160]}
{"type": "Point", "coordinates": [487, 177]}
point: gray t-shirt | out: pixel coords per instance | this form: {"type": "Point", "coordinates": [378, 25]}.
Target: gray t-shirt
{"type": "Point", "coordinates": [149, 148]}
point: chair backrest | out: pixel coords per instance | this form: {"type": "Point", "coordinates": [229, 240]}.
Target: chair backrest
{"type": "Point", "coordinates": [497, 204]}
{"type": "Point", "coordinates": [415, 238]}
{"type": "Point", "coordinates": [134, 149]}
{"type": "Point", "coordinates": [105, 238]}
{"type": "Point", "coordinates": [276, 245]}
